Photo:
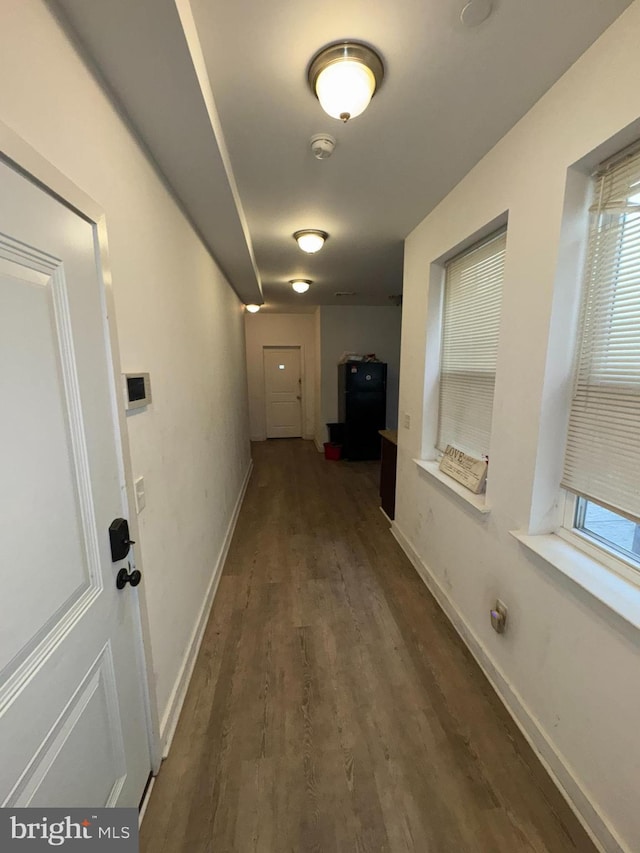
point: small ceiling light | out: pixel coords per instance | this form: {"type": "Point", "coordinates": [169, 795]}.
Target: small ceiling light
{"type": "Point", "coordinates": [475, 12]}
{"type": "Point", "coordinates": [310, 240]}
{"type": "Point", "coordinates": [344, 77]}
{"type": "Point", "coordinates": [252, 309]}
{"type": "Point", "coordinates": [300, 285]}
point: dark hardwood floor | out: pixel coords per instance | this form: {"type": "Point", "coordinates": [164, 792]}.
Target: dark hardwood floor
{"type": "Point", "coordinates": [333, 707]}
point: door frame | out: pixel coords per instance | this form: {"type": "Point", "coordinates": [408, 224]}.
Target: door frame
{"type": "Point", "coordinates": [300, 349]}
{"type": "Point", "coordinates": [20, 155]}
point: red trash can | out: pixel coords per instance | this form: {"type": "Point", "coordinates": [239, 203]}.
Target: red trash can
{"type": "Point", "coordinates": [332, 451]}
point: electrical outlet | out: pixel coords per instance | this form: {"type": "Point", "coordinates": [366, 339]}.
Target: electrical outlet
{"type": "Point", "coordinates": [141, 500]}
{"type": "Point", "coordinates": [499, 617]}
{"type": "Point", "coordinates": [407, 420]}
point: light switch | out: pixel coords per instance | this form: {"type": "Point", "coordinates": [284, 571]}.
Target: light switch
{"type": "Point", "coordinates": [140, 495]}
{"type": "Point", "coordinates": [407, 420]}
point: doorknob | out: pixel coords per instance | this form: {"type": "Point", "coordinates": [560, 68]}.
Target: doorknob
{"type": "Point", "coordinates": [298, 397]}
{"type": "Point", "coordinates": [124, 577]}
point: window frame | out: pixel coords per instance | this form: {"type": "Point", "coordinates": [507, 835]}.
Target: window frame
{"type": "Point", "coordinates": [597, 549]}
{"type": "Point", "coordinates": [499, 230]}
{"type": "Point", "coordinates": [569, 502]}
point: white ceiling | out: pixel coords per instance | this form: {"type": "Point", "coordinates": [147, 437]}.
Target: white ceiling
{"type": "Point", "coordinates": [449, 94]}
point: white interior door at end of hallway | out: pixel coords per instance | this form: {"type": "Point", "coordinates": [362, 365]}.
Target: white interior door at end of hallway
{"type": "Point", "coordinates": [73, 730]}
{"type": "Point", "coordinates": [283, 392]}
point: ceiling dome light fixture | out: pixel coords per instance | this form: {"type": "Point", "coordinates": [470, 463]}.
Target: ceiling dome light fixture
{"type": "Point", "coordinates": [300, 285]}
{"type": "Point", "coordinates": [344, 77]}
{"type": "Point", "coordinates": [475, 12]}
{"type": "Point", "coordinates": [252, 309]}
{"type": "Point", "coordinates": [310, 240]}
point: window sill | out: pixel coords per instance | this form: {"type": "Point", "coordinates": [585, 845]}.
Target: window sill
{"type": "Point", "coordinates": [618, 594]}
{"type": "Point", "coordinates": [477, 502]}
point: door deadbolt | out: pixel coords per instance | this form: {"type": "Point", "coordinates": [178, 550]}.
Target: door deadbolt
{"type": "Point", "coordinates": [119, 539]}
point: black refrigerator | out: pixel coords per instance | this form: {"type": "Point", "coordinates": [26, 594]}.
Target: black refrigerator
{"type": "Point", "coordinates": [362, 407]}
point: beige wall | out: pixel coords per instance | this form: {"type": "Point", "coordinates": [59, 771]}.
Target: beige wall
{"type": "Point", "coordinates": [322, 337]}
{"type": "Point", "coordinates": [568, 666]}
{"type": "Point", "coordinates": [362, 329]}
{"type": "Point", "coordinates": [280, 330]}
{"type": "Point", "coordinates": [177, 318]}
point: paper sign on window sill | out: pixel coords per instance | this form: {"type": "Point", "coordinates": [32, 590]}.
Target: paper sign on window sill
{"type": "Point", "coordinates": [472, 473]}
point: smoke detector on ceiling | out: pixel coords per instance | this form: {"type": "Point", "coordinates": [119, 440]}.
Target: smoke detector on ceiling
{"type": "Point", "coordinates": [322, 146]}
{"type": "Point", "coordinates": [475, 12]}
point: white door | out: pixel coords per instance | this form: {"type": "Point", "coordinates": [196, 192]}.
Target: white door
{"type": "Point", "coordinates": [283, 392]}
{"type": "Point", "coordinates": [72, 715]}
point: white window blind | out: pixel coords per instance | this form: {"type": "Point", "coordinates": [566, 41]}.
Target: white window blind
{"type": "Point", "coordinates": [602, 459]}
{"type": "Point", "coordinates": [470, 325]}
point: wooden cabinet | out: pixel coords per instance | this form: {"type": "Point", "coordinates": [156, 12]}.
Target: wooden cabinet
{"type": "Point", "coordinates": [388, 471]}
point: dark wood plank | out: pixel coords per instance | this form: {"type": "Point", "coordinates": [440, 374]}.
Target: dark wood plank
{"type": "Point", "coordinates": [333, 707]}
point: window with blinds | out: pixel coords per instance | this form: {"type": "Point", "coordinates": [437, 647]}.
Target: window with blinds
{"type": "Point", "coordinates": [602, 461]}
{"type": "Point", "coordinates": [470, 325]}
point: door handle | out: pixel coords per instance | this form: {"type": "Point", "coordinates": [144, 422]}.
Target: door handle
{"type": "Point", "coordinates": [298, 397]}
{"type": "Point", "coordinates": [124, 577]}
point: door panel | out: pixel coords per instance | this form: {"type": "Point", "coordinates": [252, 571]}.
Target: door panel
{"type": "Point", "coordinates": [284, 414]}
{"type": "Point", "coordinates": [283, 392]}
{"type": "Point", "coordinates": [40, 465]}
{"type": "Point", "coordinates": [72, 720]}
{"type": "Point", "coordinates": [59, 767]}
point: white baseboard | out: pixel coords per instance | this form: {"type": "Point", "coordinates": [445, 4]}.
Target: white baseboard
{"type": "Point", "coordinates": [304, 437]}
{"type": "Point", "coordinates": [598, 828]}
{"type": "Point", "coordinates": [179, 692]}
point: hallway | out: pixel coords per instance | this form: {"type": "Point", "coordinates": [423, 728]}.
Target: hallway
{"type": "Point", "coordinates": [333, 707]}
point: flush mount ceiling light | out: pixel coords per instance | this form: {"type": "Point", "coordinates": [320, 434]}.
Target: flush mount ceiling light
{"type": "Point", "coordinates": [300, 285]}
{"type": "Point", "coordinates": [344, 77]}
{"type": "Point", "coordinates": [310, 240]}
{"type": "Point", "coordinates": [252, 309]}
{"type": "Point", "coordinates": [475, 12]}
